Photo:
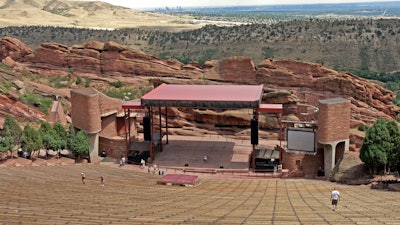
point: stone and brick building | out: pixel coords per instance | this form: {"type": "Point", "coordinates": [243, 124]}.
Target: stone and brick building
{"type": "Point", "coordinates": [102, 118]}
{"type": "Point", "coordinates": [332, 137]}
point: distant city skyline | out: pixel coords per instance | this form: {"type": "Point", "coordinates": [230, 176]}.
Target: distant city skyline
{"type": "Point", "coordinates": [152, 4]}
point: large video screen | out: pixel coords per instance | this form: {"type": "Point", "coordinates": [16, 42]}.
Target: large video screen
{"type": "Point", "coordinates": [301, 139]}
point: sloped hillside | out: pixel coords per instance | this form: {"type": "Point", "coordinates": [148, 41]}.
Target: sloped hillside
{"type": "Point", "coordinates": [84, 14]}
{"type": "Point", "coordinates": [343, 43]}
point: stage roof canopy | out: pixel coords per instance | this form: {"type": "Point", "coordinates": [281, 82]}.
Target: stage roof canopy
{"type": "Point", "coordinates": [204, 96]}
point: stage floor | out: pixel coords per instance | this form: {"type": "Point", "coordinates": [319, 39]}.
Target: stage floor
{"type": "Point", "coordinates": [220, 151]}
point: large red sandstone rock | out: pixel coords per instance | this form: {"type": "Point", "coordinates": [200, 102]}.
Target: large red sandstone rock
{"type": "Point", "coordinates": [236, 69]}
{"type": "Point", "coordinates": [19, 111]}
{"type": "Point", "coordinates": [86, 60]}
{"type": "Point", "coordinates": [286, 82]}
{"type": "Point", "coordinates": [311, 83]}
{"type": "Point", "coordinates": [113, 46]}
{"type": "Point", "coordinates": [53, 54]}
{"type": "Point", "coordinates": [8, 61]}
{"type": "Point", "coordinates": [13, 48]}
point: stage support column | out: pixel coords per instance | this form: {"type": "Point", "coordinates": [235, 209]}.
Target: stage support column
{"type": "Point", "coordinates": [254, 143]}
{"type": "Point", "coordinates": [280, 139]}
{"type": "Point", "coordinates": [152, 135]}
{"type": "Point", "coordinates": [127, 120]}
{"type": "Point", "coordinates": [160, 126]}
{"type": "Point", "coordinates": [166, 123]}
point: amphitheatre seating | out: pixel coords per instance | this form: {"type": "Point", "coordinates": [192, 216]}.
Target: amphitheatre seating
{"type": "Point", "coordinates": [55, 195]}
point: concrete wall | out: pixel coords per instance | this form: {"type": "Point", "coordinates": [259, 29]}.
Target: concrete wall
{"type": "Point", "coordinates": [109, 105]}
{"type": "Point", "coordinates": [109, 126]}
{"type": "Point", "coordinates": [94, 147]}
{"type": "Point", "coordinates": [309, 164]}
{"type": "Point", "coordinates": [115, 147]}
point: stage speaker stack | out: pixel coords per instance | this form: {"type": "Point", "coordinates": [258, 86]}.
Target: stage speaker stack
{"type": "Point", "coordinates": [147, 128]}
{"type": "Point", "coordinates": [254, 132]}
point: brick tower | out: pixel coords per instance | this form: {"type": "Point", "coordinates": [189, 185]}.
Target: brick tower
{"type": "Point", "coordinates": [333, 130]}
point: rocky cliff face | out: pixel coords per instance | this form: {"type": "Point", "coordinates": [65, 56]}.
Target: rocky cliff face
{"type": "Point", "coordinates": [10, 105]}
{"type": "Point", "coordinates": [288, 82]}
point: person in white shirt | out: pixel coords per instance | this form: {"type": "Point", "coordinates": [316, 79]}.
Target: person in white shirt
{"type": "Point", "coordinates": [122, 161]}
{"type": "Point", "coordinates": [335, 197]}
{"type": "Point", "coordinates": [142, 163]}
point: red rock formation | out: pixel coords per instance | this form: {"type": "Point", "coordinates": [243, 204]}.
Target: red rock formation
{"type": "Point", "coordinates": [13, 48]}
{"type": "Point", "coordinates": [286, 81]}
{"type": "Point", "coordinates": [21, 112]}
{"type": "Point", "coordinates": [236, 69]}
{"type": "Point", "coordinates": [311, 82]}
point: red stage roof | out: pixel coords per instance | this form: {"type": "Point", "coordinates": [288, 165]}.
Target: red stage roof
{"type": "Point", "coordinates": [204, 96]}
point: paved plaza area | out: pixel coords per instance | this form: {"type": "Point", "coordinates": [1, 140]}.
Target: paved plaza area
{"type": "Point", "coordinates": [56, 195]}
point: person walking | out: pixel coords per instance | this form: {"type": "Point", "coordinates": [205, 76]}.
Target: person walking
{"type": "Point", "coordinates": [335, 198]}
{"type": "Point", "coordinates": [101, 180]}
{"type": "Point", "coordinates": [122, 161]}
{"type": "Point", "coordinates": [154, 168]}
{"type": "Point", "coordinates": [142, 163]}
{"type": "Point", "coordinates": [83, 177]}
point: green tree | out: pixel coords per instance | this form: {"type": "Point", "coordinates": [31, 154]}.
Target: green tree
{"type": "Point", "coordinates": [378, 146]}
{"type": "Point", "coordinates": [45, 128]}
{"type": "Point", "coordinates": [80, 144]}
{"type": "Point", "coordinates": [31, 140]}
{"type": "Point", "coordinates": [48, 135]}
{"type": "Point", "coordinates": [78, 81]}
{"type": "Point", "coordinates": [394, 150]}
{"type": "Point", "coordinates": [50, 138]}
{"type": "Point", "coordinates": [62, 134]}
{"type": "Point", "coordinates": [12, 132]}
{"type": "Point", "coordinates": [6, 144]}
{"type": "Point", "coordinates": [70, 136]}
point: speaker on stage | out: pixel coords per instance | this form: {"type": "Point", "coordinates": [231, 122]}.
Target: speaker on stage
{"type": "Point", "coordinates": [254, 132]}
{"type": "Point", "coordinates": [147, 128]}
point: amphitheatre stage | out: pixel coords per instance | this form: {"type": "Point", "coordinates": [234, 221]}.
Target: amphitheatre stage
{"type": "Point", "coordinates": [190, 151]}
{"type": "Point", "coordinates": [222, 152]}
{"type": "Point", "coordinates": [185, 154]}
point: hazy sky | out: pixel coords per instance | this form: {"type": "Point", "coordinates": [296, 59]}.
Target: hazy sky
{"type": "Point", "coordinates": [151, 4]}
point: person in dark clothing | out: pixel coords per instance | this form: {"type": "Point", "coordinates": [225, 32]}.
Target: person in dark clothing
{"type": "Point", "coordinates": [101, 180]}
{"type": "Point", "coordinates": [321, 172]}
